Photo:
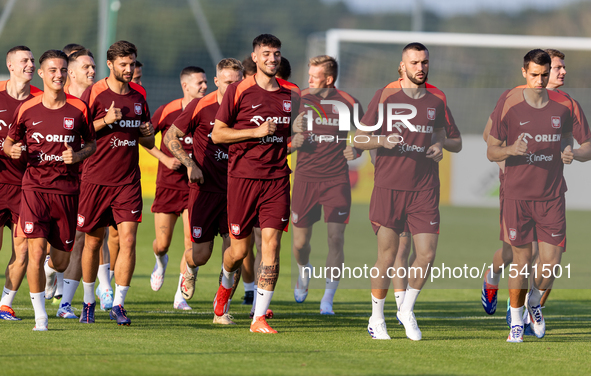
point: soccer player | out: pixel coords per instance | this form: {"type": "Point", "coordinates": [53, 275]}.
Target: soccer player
{"type": "Point", "coordinates": [321, 180]}
{"type": "Point", "coordinates": [172, 183]}
{"type": "Point", "coordinates": [254, 118]}
{"type": "Point", "coordinates": [207, 171]}
{"type": "Point", "coordinates": [536, 126]}
{"type": "Point", "coordinates": [250, 68]}
{"type": "Point", "coordinates": [137, 73]}
{"type": "Point", "coordinates": [16, 90]}
{"type": "Point", "coordinates": [120, 115]}
{"type": "Point", "coordinates": [406, 187]}
{"type": "Point", "coordinates": [51, 183]}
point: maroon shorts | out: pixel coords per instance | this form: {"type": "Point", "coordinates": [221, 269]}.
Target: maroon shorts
{"type": "Point", "coordinates": [544, 221]}
{"type": "Point", "coordinates": [101, 205]}
{"type": "Point", "coordinates": [170, 201]}
{"type": "Point", "coordinates": [10, 202]}
{"type": "Point", "coordinates": [309, 197]}
{"type": "Point", "coordinates": [248, 199]}
{"type": "Point", "coordinates": [208, 215]}
{"type": "Point", "coordinates": [502, 236]}
{"type": "Point", "coordinates": [50, 216]}
{"type": "Point", "coordinates": [394, 209]}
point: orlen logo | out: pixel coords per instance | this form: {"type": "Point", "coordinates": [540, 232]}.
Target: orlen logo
{"type": "Point", "coordinates": [188, 140]}
{"type": "Point", "coordinates": [129, 123]}
{"type": "Point", "coordinates": [49, 157]}
{"type": "Point", "coordinates": [258, 120]}
{"type": "Point", "coordinates": [532, 158]}
{"type": "Point", "coordinates": [219, 155]}
{"type": "Point", "coordinates": [116, 142]}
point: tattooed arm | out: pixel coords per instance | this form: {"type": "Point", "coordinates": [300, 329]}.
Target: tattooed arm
{"type": "Point", "coordinates": [171, 140]}
{"type": "Point", "coordinates": [70, 156]}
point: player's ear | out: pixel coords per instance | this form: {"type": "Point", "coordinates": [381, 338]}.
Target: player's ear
{"type": "Point", "coordinates": [40, 72]}
{"type": "Point", "coordinates": [523, 72]}
{"type": "Point", "coordinates": [71, 73]}
{"type": "Point", "coordinates": [253, 56]}
{"type": "Point", "coordinates": [110, 64]}
{"type": "Point", "coordinates": [329, 80]}
{"type": "Point", "coordinates": [216, 81]}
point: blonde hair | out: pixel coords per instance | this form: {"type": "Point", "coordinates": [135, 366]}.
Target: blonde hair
{"type": "Point", "coordinates": [229, 63]}
{"type": "Point", "coordinates": [331, 67]}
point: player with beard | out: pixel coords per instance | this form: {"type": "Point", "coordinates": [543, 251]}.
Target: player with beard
{"type": "Point", "coordinates": [172, 183]}
{"type": "Point", "coordinates": [51, 184]}
{"type": "Point", "coordinates": [406, 188]}
{"type": "Point", "coordinates": [254, 118]}
{"type": "Point", "coordinates": [207, 171]}
{"type": "Point", "coordinates": [121, 120]}
{"type": "Point", "coordinates": [16, 90]}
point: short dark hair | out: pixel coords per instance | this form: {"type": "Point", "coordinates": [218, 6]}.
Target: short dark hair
{"type": "Point", "coordinates": [536, 56]}
{"type": "Point", "coordinates": [121, 48]}
{"type": "Point", "coordinates": [250, 68]}
{"type": "Point", "coordinates": [266, 40]}
{"type": "Point", "coordinates": [191, 69]}
{"type": "Point", "coordinates": [284, 70]}
{"type": "Point", "coordinates": [17, 48]}
{"type": "Point", "coordinates": [72, 47]}
{"type": "Point", "coordinates": [415, 46]}
{"type": "Point", "coordinates": [554, 53]}
{"type": "Point", "coordinates": [138, 64]}
{"type": "Point", "coordinates": [53, 54]}
{"type": "Point", "coordinates": [84, 52]}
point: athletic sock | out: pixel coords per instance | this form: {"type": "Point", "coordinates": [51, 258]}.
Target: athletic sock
{"type": "Point", "coordinates": [307, 270]}
{"type": "Point", "coordinates": [104, 276]}
{"type": "Point", "coordinates": [254, 300]}
{"type": "Point", "coordinates": [263, 302]}
{"type": "Point", "coordinates": [227, 278]}
{"type": "Point", "coordinates": [178, 297]}
{"type": "Point", "coordinates": [410, 299]}
{"type": "Point", "coordinates": [248, 286]}
{"type": "Point", "coordinates": [494, 279]}
{"type": "Point", "coordinates": [111, 276]}
{"type": "Point", "coordinates": [88, 292]}
{"type": "Point", "coordinates": [517, 316]}
{"type": "Point", "coordinates": [38, 300]}
{"type": "Point", "coordinates": [70, 287]}
{"type": "Point", "coordinates": [535, 296]}
{"type": "Point", "coordinates": [331, 289]}
{"type": "Point", "coordinates": [120, 294]}
{"type": "Point", "coordinates": [161, 262]}
{"type": "Point", "coordinates": [60, 284]}
{"type": "Point", "coordinates": [7, 297]}
{"type": "Point", "coordinates": [377, 309]}
{"type": "Point", "coordinates": [192, 270]}
{"type": "Point", "coordinates": [49, 271]}
{"type": "Point", "coordinates": [399, 295]}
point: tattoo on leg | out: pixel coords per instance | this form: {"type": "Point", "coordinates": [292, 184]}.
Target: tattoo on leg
{"type": "Point", "coordinates": [236, 281]}
{"type": "Point", "coordinates": [268, 276]}
{"type": "Point", "coordinates": [404, 234]}
{"type": "Point", "coordinates": [163, 229]}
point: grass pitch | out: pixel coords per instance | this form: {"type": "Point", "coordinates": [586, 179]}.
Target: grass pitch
{"type": "Point", "coordinates": [458, 337]}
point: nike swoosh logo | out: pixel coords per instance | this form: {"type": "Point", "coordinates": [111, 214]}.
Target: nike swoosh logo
{"type": "Point", "coordinates": [212, 123]}
{"type": "Point", "coordinates": [253, 106]}
{"type": "Point", "coordinates": [260, 293]}
{"type": "Point", "coordinates": [69, 241]}
{"type": "Point", "coordinates": [556, 235]}
{"type": "Point", "coordinates": [520, 123]}
{"type": "Point", "coordinates": [433, 223]}
{"type": "Point", "coordinates": [284, 220]}
{"type": "Point", "coordinates": [374, 301]}
{"type": "Point", "coordinates": [37, 122]}
{"type": "Point", "coordinates": [3, 110]}
{"type": "Point", "coordinates": [398, 112]}
{"type": "Point", "coordinates": [342, 213]}
{"type": "Point", "coordinates": [106, 110]}
{"type": "Point", "coordinates": [135, 211]}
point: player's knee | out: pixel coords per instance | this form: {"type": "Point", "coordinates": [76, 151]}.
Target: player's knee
{"type": "Point", "coordinates": [336, 239]}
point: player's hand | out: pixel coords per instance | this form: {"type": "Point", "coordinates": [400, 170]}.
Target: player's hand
{"type": "Point", "coordinates": [195, 175]}
{"type": "Point", "coordinates": [171, 163]}
{"type": "Point", "coordinates": [350, 153]}
{"type": "Point", "coordinates": [69, 155]}
{"type": "Point", "coordinates": [519, 147]}
{"type": "Point", "coordinates": [146, 129]}
{"type": "Point", "coordinates": [299, 124]}
{"type": "Point", "coordinates": [113, 115]}
{"type": "Point", "coordinates": [387, 144]}
{"type": "Point", "coordinates": [435, 153]}
{"type": "Point", "coordinates": [268, 128]}
{"type": "Point", "coordinates": [567, 155]}
{"type": "Point", "coordinates": [297, 141]}
{"type": "Point", "coordinates": [16, 151]}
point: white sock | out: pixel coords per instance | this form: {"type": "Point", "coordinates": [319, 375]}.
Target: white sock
{"type": "Point", "coordinates": [104, 276]}
{"type": "Point", "coordinates": [330, 290]}
{"type": "Point", "coordinates": [254, 300]}
{"type": "Point", "coordinates": [120, 293]}
{"type": "Point", "coordinates": [111, 276]}
{"type": "Point", "coordinates": [88, 292]}
{"type": "Point", "coordinates": [377, 309]}
{"type": "Point", "coordinates": [229, 302]}
{"type": "Point", "coordinates": [535, 296]}
{"type": "Point", "coordinates": [248, 286]}
{"type": "Point", "coordinates": [161, 262]}
{"type": "Point", "coordinates": [399, 295]}
{"type": "Point", "coordinates": [307, 270]}
{"type": "Point", "coordinates": [263, 302]}
{"type": "Point", "coordinates": [7, 297]}
{"type": "Point", "coordinates": [60, 284]}
{"type": "Point", "coordinates": [49, 271]}
{"type": "Point", "coordinates": [70, 287]}
{"type": "Point", "coordinates": [494, 279]}
{"type": "Point", "coordinates": [516, 316]}
{"type": "Point", "coordinates": [410, 299]}
{"type": "Point", "coordinates": [178, 297]}
{"type": "Point", "coordinates": [227, 278]}
{"type": "Point", "coordinates": [192, 270]}
{"type": "Point", "coordinates": [38, 300]}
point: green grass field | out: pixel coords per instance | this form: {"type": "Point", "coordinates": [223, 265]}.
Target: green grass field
{"type": "Point", "coordinates": [458, 337]}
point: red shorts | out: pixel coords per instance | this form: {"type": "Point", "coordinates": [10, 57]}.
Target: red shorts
{"type": "Point", "coordinates": [248, 199]}
{"type": "Point", "coordinates": [309, 197]}
{"type": "Point", "coordinates": [208, 215]}
{"type": "Point", "coordinates": [170, 201]}
{"type": "Point", "coordinates": [544, 221]}
{"type": "Point", "coordinates": [101, 205]}
{"type": "Point", "coordinates": [394, 209]}
{"type": "Point", "coordinates": [50, 216]}
{"type": "Point", "coordinates": [10, 202]}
